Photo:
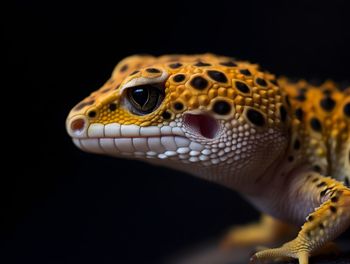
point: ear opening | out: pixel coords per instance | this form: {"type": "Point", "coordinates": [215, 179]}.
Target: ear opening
{"type": "Point", "coordinates": [202, 124]}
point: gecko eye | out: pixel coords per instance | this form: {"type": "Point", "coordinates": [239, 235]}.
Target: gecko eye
{"type": "Point", "coordinates": [144, 99]}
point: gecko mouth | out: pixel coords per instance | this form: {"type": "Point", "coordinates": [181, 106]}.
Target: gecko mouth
{"type": "Point", "coordinates": [202, 124]}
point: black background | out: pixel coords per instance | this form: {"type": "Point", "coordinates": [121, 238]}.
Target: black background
{"type": "Point", "coordinates": [65, 206]}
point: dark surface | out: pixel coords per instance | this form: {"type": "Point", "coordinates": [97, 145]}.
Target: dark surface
{"type": "Point", "coordinates": [64, 206]}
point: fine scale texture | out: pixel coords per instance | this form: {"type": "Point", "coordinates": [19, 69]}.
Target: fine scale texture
{"type": "Point", "coordinates": [285, 146]}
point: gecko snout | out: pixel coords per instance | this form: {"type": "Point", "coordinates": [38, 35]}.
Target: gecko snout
{"type": "Point", "coordinates": [77, 126]}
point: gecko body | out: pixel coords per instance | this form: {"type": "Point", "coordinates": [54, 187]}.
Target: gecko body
{"type": "Point", "coordinates": [284, 146]}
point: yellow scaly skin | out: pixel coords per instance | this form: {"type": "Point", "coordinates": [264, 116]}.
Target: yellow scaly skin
{"type": "Point", "coordinates": [231, 123]}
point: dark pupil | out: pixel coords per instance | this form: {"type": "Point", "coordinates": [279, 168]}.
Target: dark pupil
{"type": "Point", "coordinates": [140, 96]}
{"type": "Point", "coordinates": [144, 98]}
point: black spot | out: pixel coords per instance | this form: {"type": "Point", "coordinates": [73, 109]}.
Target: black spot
{"type": "Point", "coordinates": [283, 113]}
{"type": "Point", "coordinates": [321, 226]}
{"type": "Point", "coordinates": [228, 64]}
{"type": "Point", "coordinates": [327, 103]}
{"type": "Point", "coordinates": [334, 199]}
{"type": "Point", "coordinates": [152, 70]}
{"type": "Point", "coordinates": [299, 114]}
{"type": "Point", "coordinates": [288, 101]}
{"type": "Point", "coordinates": [221, 107]}
{"type": "Point", "coordinates": [245, 72]}
{"type": "Point", "coordinates": [179, 78]}
{"type": "Point", "coordinates": [92, 114]}
{"type": "Point", "coordinates": [124, 68]}
{"type": "Point", "coordinates": [261, 81]}
{"type": "Point", "coordinates": [347, 109]}
{"type": "Point", "coordinates": [296, 144]}
{"type": "Point", "coordinates": [178, 106]}
{"type": "Point", "coordinates": [175, 65]}
{"type": "Point", "coordinates": [217, 76]}
{"type": "Point", "coordinates": [315, 180]}
{"type": "Point", "coordinates": [290, 158]}
{"type": "Point", "coordinates": [112, 106]}
{"type": "Point", "coordinates": [316, 124]}
{"type": "Point", "coordinates": [316, 168]}
{"type": "Point", "coordinates": [346, 181]}
{"type": "Point", "coordinates": [83, 104]}
{"type": "Point", "coordinates": [166, 115]}
{"type": "Point", "coordinates": [310, 218]}
{"type": "Point", "coordinates": [255, 117]}
{"type": "Point", "coordinates": [274, 81]}
{"type": "Point", "coordinates": [241, 86]}
{"type": "Point", "coordinates": [327, 92]}
{"type": "Point", "coordinates": [333, 209]}
{"type": "Point", "coordinates": [134, 72]}
{"type": "Point", "coordinates": [199, 83]}
{"type": "Point", "coordinates": [301, 97]}
{"type": "Point", "coordinates": [303, 90]}
{"type": "Point", "coordinates": [202, 64]}
{"type": "Point", "coordinates": [321, 184]}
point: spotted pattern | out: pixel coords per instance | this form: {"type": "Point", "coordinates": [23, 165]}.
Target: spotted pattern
{"type": "Point", "coordinates": [179, 78]}
{"type": "Point", "coordinates": [245, 72]}
{"type": "Point", "coordinates": [221, 107]}
{"type": "Point", "coordinates": [112, 106]}
{"type": "Point", "coordinates": [178, 106]}
{"type": "Point", "coordinates": [242, 87]}
{"type": "Point", "coordinates": [347, 110]}
{"type": "Point", "coordinates": [320, 123]}
{"type": "Point", "coordinates": [327, 103]}
{"type": "Point", "coordinates": [175, 65]}
{"type": "Point", "coordinates": [153, 70]}
{"type": "Point", "coordinates": [202, 64]}
{"type": "Point", "coordinates": [199, 83]}
{"type": "Point", "coordinates": [261, 82]}
{"type": "Point", "coordinates": [166, 115]}
{"type": "Point", "coordinates": [217, 76]}
{"type": "Point", "coordinates": [255, 117]}
{"type": "Point", "coordinates": [228, 64]}
{"type": "Point", "coordinates": [299, 114]}
{"type": "Point", "coordinates": [236, 90]}
{"type": "Point", "coordinates": [316, 124]}
{"type": "Point", "coordinates": [283, 113]}
{"type": "Point", "coordinates": [92, 113]}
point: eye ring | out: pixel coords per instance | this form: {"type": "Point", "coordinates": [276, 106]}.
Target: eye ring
{"type": "Point", "coordinates": [144, 99]}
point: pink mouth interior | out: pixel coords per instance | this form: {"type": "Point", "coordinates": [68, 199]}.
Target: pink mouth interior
{"type": "Point", "coordinates": [202, 124]}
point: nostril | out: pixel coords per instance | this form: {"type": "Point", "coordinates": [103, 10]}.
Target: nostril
{"type": "Point", "coordinates": [77, 125]}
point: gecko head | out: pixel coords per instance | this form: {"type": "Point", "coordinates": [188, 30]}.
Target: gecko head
{"type": "Point", "coordinates": [200, 117]}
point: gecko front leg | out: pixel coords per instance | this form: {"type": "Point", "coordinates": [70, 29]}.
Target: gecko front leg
{"type": "Point", "coordinates": [324, 224]}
